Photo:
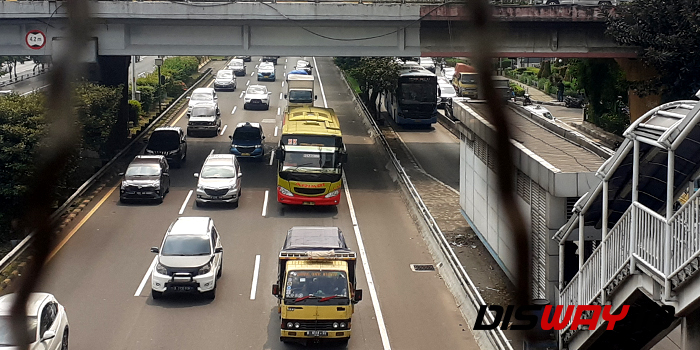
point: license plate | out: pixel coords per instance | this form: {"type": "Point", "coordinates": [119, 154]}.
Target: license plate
{"type": "Point", "coordinates": [309, 203]}
{"type": "Point", "coordinates": [216, 197]}
{"type": "Point", "coordinates": [317, 333]}
{"type": "Point", "coordinates": [245, 154]}
{"type": "Point", "coordinates": [140, 193]}
{"type": "Point", "coordinates": [181, 288]}
{"type": "Point", "coordinates": [256, 102]}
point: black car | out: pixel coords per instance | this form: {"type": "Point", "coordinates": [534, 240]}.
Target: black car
{"type": "Point", "coordinates": [170, 142]}
{"type": "Point", "coordinates": [272, 59]}
{"type": "Point", "coordinates": [204, 119]}
{"type": "Point", "coordinates": [147, 177]}
{"type": "Point", "coordinates": [244, 58]}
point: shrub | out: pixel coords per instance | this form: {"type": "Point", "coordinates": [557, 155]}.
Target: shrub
{"type": "Point", "coordinates": [175, 88]}
{"type": "Point", "coordinates": [519, 91]}
{"type": "Point", "coordinates": [147, 97]}
{"type": "Point", "coordinates": [180, 68]}
{"type": "Point", "coordinates": [547, 86]}
{"type": "Point", "coordinates": [134, 111]}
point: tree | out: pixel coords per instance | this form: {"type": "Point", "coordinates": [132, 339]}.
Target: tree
{"type": "Point", "coordinates": [375, 75]}
{"type": "Point", "coordinates": [667, 33]}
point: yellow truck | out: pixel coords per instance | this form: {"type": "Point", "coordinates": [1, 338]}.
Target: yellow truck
{"type": "Point", "coordinates": [310, 157]}
{"type": "Point", "coordinates": [316, 286]}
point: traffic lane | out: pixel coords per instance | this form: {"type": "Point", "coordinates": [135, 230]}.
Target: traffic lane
{"type": "Point", "coordinates": [436, 151]}
{"type": "Point", "coordinates": [143, 67]}
{"type": "Point", "coordinates": [419, 311]}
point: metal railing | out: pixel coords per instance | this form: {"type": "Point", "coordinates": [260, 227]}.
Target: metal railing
{"type": "Point", "coordinates": [20, 77]}
{"type": "Point", "coordinates": [496, 336]}
{"type": "Point", "coordinates": [20, 248]}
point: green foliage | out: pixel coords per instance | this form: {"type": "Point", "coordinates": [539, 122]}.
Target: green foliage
{"type": "Point", "coordinates": [148, 97]}
{"type": "Point", "coordinates": [175, 88]}
{"type": "Point", "coordinates": [180, 68]}
{"type": "Point", "coordinates": [547, 86]}
{"type": "Point", "coordinates": [546, 70]}
{"type": "Point", "coordinates": [97, 108]}
{"type": "Point", "coordinates": [134, 110]}
{"type": "Point", "coordinates": [668, 34]}
{"type": "Point", "coordinates": [452, 61]}
{"type": "Point", "coordinates": [347, 63]}
{"type": "Point", "coordinates": [376, 75]}
{"type": "Point", "coordinates": [504, 64]}
{"type": "Point", "coordinates": [519, 91]}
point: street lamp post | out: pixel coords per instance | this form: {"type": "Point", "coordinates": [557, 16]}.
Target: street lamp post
{"type": "Point", "coordinates": [159, 62]}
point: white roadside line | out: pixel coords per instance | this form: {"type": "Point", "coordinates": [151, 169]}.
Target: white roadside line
{"type": "Point", "coordinates": [234, 109]}
{"type": "Point", "coordinates": [360, 244]}
{"type": "Point", "coordinates": [224, 129]}
{"type": "Point", "coordinates": [272, 156]}
{"type": "Point", "coordinates": [279, 109]}
{"type": "Point", "coordinates": [264, 210]}
{"type": "Point", "coordinates": [276, 131]}
{"type": "Point", "coordinates": [241, 95]}
{"type": "Point", "coordinates": [34, 90]}
{"type": "Point", "coordinates": [256, 270]}
{"type": "Point", "coordinates": [184, 204]}
{"type": "Point", "coordinates": [145, 277]}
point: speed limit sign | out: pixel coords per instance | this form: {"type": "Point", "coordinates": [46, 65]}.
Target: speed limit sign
{"type": "Point", "coordinates": [35, 39]}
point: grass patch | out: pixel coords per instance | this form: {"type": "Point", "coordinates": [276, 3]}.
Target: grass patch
{"type": "Point", "coordinates": [354, 85]}
{"type": "Point", "coordinates": [218, 58]}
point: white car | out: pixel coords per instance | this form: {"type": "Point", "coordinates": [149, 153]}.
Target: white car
{"type": "Point", "coordinates": [47, 323]}
{"type": "Point", "coordinates": [445, 92]}
{"type": "Point", "coordinates": [427, 63]}
{"type": "Point", "coordinates": [219, 180]}
{"type": "Point", "coordinates": [257, 96]}
{"type": "Point", "coordinates": [448, 72]}
{"type": "Point", "coordinates": [538, 111]}
{"type": "Point", "coordinates": [189, 259]}
{"type": "Point", "coordinates": [205, 96]}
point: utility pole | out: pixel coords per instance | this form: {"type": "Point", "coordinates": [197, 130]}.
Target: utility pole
{"type": "Point", "coordinates": [133, 77]}
{"type": "Point", "coordinates": [159, 62]}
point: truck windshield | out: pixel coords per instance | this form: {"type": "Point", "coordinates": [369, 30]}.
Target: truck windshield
{"type": "Point", "coordinates": [468, 78]}
{"type": "Point", "coordinates": [418, 92]}
{"type": "Point", "coordinates": [301, 96]}
{"type": "Point", "coordinates": [316, 285]}
{"type": "Point", "coordinates": [308, 160]}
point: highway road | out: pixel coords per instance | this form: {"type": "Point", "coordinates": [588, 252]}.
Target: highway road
{"type": "Point", "coordinates": [101, 273]}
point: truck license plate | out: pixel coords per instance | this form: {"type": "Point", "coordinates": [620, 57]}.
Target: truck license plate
{"type": "Point", "coordinates": [317, 333]}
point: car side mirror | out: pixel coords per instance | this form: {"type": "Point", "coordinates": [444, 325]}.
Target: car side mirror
{"type": "Point", "coordinates": [230, 137]}
{"type": "Point", "coordinates": [358, 296]}
{"type": "Point", "coordinates": [188, 97]}
{"type": "Point", "coordinates": [276, 290]}
{"type": "Point", "coordinates": [263, 137]}
{"type": "Point", "coordinates": [269, 92]}
{"type": "Point", "coordinates": [155, 250]}
{"type": "Point", "coordinates": [279, 154]}
{"type": "Point", "coordinates": [343, 158]}
{"type": "Point", "coordinates": [240, 174]}
{"type": "Point", "coordinates": [120, 174]}
{"type": "Point", "coordinates": [285, 96]}
{"type": "Point", "coordinates": [315, 97]}
{"type": "Point", "coordinates": [218, 250]}
{"type": "Point", "coordinates": [196, 175]}
{"type": "Point", "coordinates": [49, 334]}
{"type": "Point", "coordinates": [165, 173]}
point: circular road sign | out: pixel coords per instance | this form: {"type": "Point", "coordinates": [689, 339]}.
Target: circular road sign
{"type": "Point", "coordinates": [35, 39]}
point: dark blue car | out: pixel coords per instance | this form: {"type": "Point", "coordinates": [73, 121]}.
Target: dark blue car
{"type": "Point", "coordinates": [248, 141]}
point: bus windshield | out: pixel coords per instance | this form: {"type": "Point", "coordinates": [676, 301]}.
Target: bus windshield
{"type": "Point", "coordinates": [295, 160]}
{"type": "Point", "coordinates": [418, 92]}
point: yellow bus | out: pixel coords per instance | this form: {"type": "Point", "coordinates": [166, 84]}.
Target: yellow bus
{"type": "Point", "coordinates": [310, 157]}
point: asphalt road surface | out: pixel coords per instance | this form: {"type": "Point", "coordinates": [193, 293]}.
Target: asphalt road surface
{"type": "Point", "coordinates": [99, 271]}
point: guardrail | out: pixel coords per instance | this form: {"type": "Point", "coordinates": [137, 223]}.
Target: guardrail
{"type": "Point", "coordinates": [496, 336]}
{"type": "Point", "coordinates": [25, 243]}
{"type": "Point", "coordinates": [21, 77]}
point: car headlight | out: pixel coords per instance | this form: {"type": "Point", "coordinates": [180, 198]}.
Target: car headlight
{"type": "Point", "coordinates": [156, 184]}
{"type": "Point", "coordinates": [333, 194]}
{"type": "Point", "coordinates": [123, 186]}
{"type": "Point", "coordinates": [205, 269]}
{"type": "Point", "coordinates": [285, 191]}
{"type": "Point", "coordinates": [342, 324]}
{"type": "Point", "coordinates": [258, 146]}
{"type": "Point", "coordinates": [161, 269]}
{"type": "Point", "coordinates": [290, 325]}
{"type": "Point", "coordinates": [247, 99]}
{"type": "Point", "coordinates": [335, 325]}
{"type": "Point", "coordinates": [200, 187]}
{"type": "Point", "coordinates": [296, 325]}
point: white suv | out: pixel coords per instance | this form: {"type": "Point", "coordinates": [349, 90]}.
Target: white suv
{"type": "Point", "coordinates": [189, 259]}
{"type": "Point", "coordinates": [203, 95]}
{"type": "Point", "coordinates": [219, 180]}
{"type": "Point", "coordinates": [47, 322]}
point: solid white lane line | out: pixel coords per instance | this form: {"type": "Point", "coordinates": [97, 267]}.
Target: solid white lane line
{"type": "Point", "coordinates": [256, 270]}
{"type": "Point", "coordinates": [281, 96]}
{"type": "Point", "coordinates": [275, 131]}
{"type": "Point", "coordinates": [279, 109]}
{"type": "Point", "coordinates": [264, 211]}
{"type": "Point", "coordinates": [234, 109]}
{"type": "Point", "coordinates": [241, 95]}
{"type": "Point", "coordinates": [360, 244]}
{"type": "Point", "coordinates": [224, 129]}
{"type": "Point", "coordinates": [184, 204]}
{"type": "Point", "coordinates": [272, 157]}
{"type": "Point", "coordinates": [323, 93]}
{"type": "Point", "coordinates": [247, 83]}
{"type": "Point", "coordinates": [365, 265]}
{"type": "Point", "coordinates": [145, 277]}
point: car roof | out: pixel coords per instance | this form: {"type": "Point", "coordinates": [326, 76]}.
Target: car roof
{"type": "Point", "coordinates": [203, 89]}
{"type": "Point", "coordinates": [306, 63]}
{"type": "Point", "coordinates": [147, 159]}
{"type": "Point", "coordinates": [220, 159]}
{"type": "Point", "coordinates": [225, 70]}
{"type": "Point", "coordinates": [168, 128]}
{"type": "Point", "coordinates": [33, 304]}
{"type": "Point", "coordinates": [190, 226]}
{"type": "Point", "coordinates": [248, 125]}
{"type": "Point", "coordinates": [444, 81]}
{"type": "Point", "coordinates": [257, 87]}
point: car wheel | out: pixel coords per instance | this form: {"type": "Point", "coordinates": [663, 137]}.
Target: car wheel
{"type": "Point", "coordinates": [160, 199]}
{"type": "Point", "coordinates": [122, 200]}
{"type": "Point", "coordinates": [156, 294]}
{"type": "Point", "coordinates": [267, 108]}
{"type": "Point", "coordinates": [245, 106]}
{"type": "Point", "coordinates": [189, 133]}
{"type": "Point", "coordinates": [211, 294]}
{"type": "Point", "coordinates": [198, 204]}
{"type": "Point", "coordinates": [64, 340]}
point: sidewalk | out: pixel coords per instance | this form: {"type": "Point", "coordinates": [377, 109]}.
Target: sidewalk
{"type": "Point", "coordinates": [538, 95]}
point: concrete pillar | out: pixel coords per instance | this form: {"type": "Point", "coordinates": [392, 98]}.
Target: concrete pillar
{"type": "Point", "coordinates": [690, 331]}
{"type": "Point", "coordinates": [114, 71]}
{"type": "Point", "coordinates": [635, 70]}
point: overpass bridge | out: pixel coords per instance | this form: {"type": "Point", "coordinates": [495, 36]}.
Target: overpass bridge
{"type": "Point", "coordinates": [325, 28]}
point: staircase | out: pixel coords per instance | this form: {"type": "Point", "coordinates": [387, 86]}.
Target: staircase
{"type": "Point", "coordinates": [646, 245]}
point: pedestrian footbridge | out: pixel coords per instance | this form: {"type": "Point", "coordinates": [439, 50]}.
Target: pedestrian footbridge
{"type": "Point", "coordinates": [644, 221]}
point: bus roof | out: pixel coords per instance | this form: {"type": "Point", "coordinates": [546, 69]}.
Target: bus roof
{"type": "Point", "coordinates": [416, 73]}
{"type": "Point", "coordinates": [311, 121]}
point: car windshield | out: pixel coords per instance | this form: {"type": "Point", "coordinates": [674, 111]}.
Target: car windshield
{"type": "Point", "coordinates": [249, 134]}
{"type": "Point", "coordinates": [6, 337]}
{"type": "Point", "coordinates": [256, 91]}
{"type": "Point", "coordinates": [294, 160]}
{"type": "Point", "coordinates": [186, 245]}
{"type": "Point", "coordinates": [203, 112]}
{"type": "Point", "coordinates": [165, 140]}
{"type": "Point", "coordinates": [316, 284]}
{"type": "Point", "coordinates": [237, 64]}
{"type": "Point", "coordinates": [301, 96]}
{"type": "Point", "coordinates": [446, 89]}
{"type": "Point", "coordinates": [217, 172]}
{"type": "Point", "coordinates": [143, 170]}
{"type": "Point", "coordinates": [202, 96]}
{"type": "Point", "coordinates": [416, 93]}
{"type": "Point", "coordinates": [224, 75]}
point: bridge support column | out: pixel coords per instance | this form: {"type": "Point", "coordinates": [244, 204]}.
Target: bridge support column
{"type": "Point", "coordinates": [114, 71]}
{"type": "Point", "coordinates": [635, 70]}
{"type": "Point", "coordinates": [690, 331]}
